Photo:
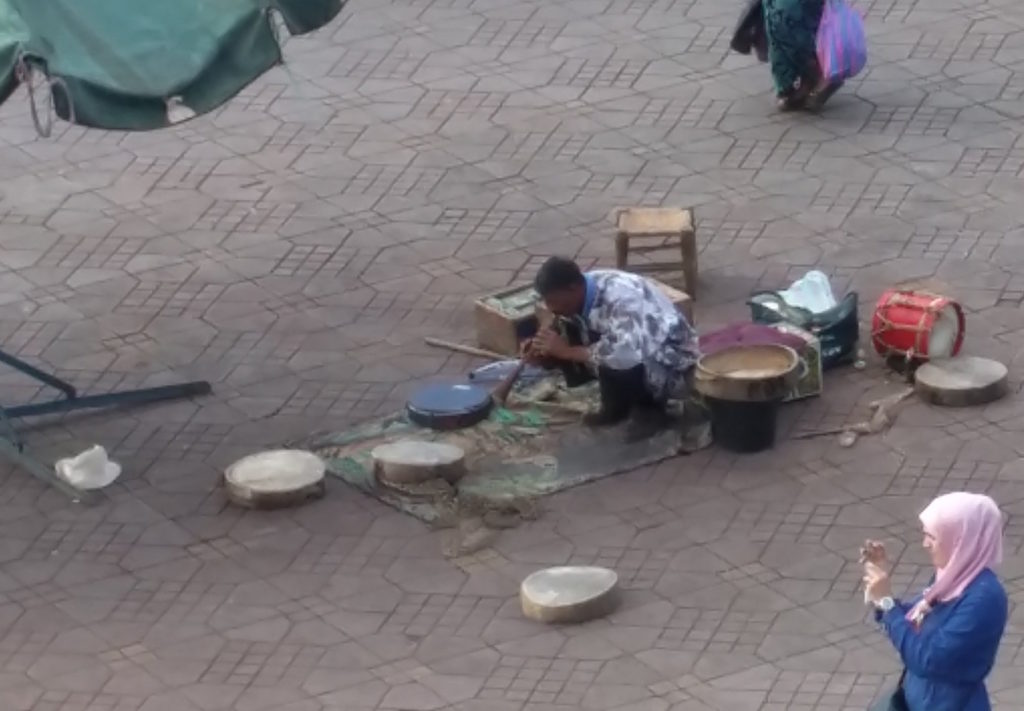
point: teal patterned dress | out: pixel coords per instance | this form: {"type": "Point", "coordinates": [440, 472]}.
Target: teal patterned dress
{"type": "Point", "coordinates": [792, 29]}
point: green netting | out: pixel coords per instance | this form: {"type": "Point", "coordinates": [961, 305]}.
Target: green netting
{"type": "Point", "coordinates": [121, 60]}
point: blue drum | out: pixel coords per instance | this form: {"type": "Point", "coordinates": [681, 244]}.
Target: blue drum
{"type": "Point", "coordinates": [449, 406]}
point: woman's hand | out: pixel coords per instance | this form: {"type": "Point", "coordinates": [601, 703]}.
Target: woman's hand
{"type": "Point", "coordinates": [874, 552]}
{"type": "Point", "coordinates": [876, 583]}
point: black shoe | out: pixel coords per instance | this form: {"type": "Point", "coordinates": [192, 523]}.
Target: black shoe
{"type": "Point", "coordinates": [793, 100]}
{"type": "Point", "coordinates": [818, 98]}
{"type": "Point", "coordinates": [645, 422]}
{"type": "Point", "coordinates": [606, 417]}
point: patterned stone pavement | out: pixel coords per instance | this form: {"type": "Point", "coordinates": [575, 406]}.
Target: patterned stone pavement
{"type": "Point", "coordinates": [295, 247]}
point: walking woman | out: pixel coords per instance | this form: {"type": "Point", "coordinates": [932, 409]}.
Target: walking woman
{"type": "Point", "coordinates": [948, 636]}
{"type": "Point", "coordinates": [784, 33]}
{"type": "Point", "coordinates": [791, 27]}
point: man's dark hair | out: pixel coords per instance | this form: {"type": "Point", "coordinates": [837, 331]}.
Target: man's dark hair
{"type": "Point", "coordinates": [557, 274]}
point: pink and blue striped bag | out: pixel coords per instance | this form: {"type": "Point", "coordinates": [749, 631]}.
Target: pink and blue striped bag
{"type": "Point", "coordinates": [842, 46]}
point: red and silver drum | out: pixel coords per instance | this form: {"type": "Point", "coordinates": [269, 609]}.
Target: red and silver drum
{"type": "Point", "coordinates": [917, 325]}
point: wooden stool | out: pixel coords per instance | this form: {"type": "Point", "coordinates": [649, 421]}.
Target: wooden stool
{"type": "Point", "coordinates": [656, 229]}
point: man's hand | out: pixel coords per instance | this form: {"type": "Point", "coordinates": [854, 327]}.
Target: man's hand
{"type": "Point", "coordinates": [549, 343]}
{"type": "Point", "coordinates": [529, 354]}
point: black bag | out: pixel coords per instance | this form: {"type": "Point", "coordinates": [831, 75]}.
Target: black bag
{"type": "Point", "coordinates": [838, 329]}
{"type": "Point", "coordinates": [750, 33]}
{"type": "Point", "coordinates": [895, 701]}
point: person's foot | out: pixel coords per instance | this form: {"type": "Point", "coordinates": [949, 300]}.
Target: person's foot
{"type": "Point", "coordinates": [645, 422]}
{"type": "Point", "coordinates": [796, 98]}
{"type": "Point", "coordinates": [791, 102]}
{"type": "Point", "coordinates": [817, 99]}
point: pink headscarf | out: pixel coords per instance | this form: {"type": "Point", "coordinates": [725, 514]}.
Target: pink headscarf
{"type": "Point", "coordinates": [968, 529]}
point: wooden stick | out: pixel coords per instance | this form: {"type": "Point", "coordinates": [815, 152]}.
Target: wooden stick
{"type": "Point", "coordinates": [468, 350]}
{"type": "Point", "coordinates": [811, 434]}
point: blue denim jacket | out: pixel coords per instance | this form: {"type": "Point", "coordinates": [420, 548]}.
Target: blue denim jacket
{"type": "Point", "coordinates": [948, 658]}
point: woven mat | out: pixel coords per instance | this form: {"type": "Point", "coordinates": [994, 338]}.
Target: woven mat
{"type": "Point", "coordinates": [514, 458]}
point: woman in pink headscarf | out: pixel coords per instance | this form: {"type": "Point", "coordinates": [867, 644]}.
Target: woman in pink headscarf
{"type": "Point", "coordinates": [948, 636]}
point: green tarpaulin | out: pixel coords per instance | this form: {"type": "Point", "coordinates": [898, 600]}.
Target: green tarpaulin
{"type": "Point", "coordinates": [119, 62]}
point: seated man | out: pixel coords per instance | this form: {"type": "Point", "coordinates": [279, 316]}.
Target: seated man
{"type": "Point", "coordinates": [622, 328]}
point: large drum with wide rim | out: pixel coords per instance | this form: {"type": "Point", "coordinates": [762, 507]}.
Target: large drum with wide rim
{"type": "Point", "coordinates": [917, 325]}
{"type": "Point", "coordinates": [449, 406]}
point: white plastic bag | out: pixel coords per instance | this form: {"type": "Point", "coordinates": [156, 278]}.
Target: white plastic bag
{"type": "Point", "coordinates": [91, 469]}
{"type": "Point", "coordinates": [812, 292]}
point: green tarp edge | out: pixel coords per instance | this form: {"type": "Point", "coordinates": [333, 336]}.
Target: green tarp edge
{"type": "Point", "coordinates": [8, 79]}
{"type": "Point", "coordinates": [246, 52]}
{"type": "Point", "coordinates": [249, 51]}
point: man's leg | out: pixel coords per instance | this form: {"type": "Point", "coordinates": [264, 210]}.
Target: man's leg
{"type": "Point", "coordinates": [648, 417]}
{"type": "Point", "coordinates": [576, 374]}
{"type": "Point", "coordinates": [621, 392]}
{"type": "Point", "coordinates": [649, 414]}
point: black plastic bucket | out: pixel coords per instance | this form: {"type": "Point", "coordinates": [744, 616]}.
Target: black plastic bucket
{"type": "Point", "coordinates": [743, 427]}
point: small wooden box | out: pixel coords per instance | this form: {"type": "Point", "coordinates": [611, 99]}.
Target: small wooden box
{"type": "Point", "coordinates": [506, 318]}
{"type": "Point", "coordinates": [680, 299]}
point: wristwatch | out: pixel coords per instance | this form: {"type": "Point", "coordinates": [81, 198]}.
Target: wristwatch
{"type": "Point", "coordinates": [886, 604]}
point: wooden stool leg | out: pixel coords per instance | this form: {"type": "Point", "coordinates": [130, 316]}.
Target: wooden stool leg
{"type": "Point", "coordinates": [688, 246]}
{"type": "Point", "coordinates": [621, 250]}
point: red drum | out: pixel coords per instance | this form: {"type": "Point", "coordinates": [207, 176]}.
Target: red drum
{"type": "Point", "coordinates": [917, 325]}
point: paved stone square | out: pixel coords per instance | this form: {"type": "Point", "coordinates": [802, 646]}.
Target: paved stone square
{"type": "Point", "coordinates": [295, 247]}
